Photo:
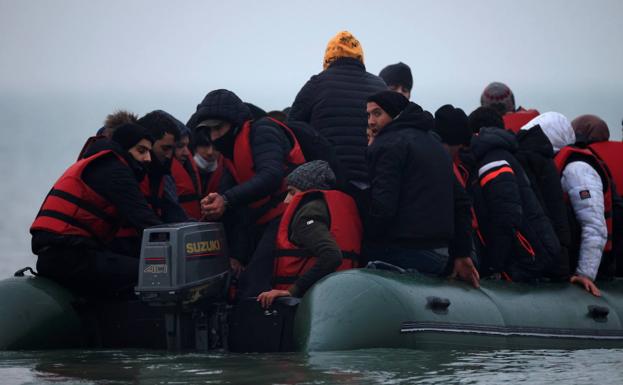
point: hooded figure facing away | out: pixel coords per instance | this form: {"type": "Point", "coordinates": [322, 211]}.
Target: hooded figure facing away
{"type": "Point", "coordinates": [500, 97]}
{"type": "Point", "coordinates": [519, 239]}
{"type": "Point", "coordinates": [536, 155]}
{"type": "Point", "coordinates": [334, 103]}
{"type": "Point", "coordinates": [586, 186]}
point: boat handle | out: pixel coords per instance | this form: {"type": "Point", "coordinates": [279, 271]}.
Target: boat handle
{"type": "Point", "coordinates": [437, 303]}
{"type": "Point", "coordinates": [598, 313]}
{"type": "Point", "coordinates": [20, 272]}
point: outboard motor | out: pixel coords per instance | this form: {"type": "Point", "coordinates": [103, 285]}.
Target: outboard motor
{"type": "Point", "coordinates": [184, 269]}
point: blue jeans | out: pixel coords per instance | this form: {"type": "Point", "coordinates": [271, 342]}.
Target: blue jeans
{"type": "Point", "coordinates": [428, 261]}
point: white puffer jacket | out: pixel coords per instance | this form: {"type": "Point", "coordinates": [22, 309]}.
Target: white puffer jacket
{"type": "Point", "coordinates": [585, 189]}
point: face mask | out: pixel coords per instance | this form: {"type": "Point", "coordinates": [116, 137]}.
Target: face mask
{"type": "Point", "coordinates": [225, 144]}
{"type": "Point", "coordinates": [205, 165]}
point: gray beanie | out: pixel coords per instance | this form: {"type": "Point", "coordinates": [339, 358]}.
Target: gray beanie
{"type": "Point", "coordinates": [314, 175]}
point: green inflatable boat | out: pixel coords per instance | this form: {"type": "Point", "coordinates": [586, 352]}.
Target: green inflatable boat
{"type": "Point", "coordinates": [180, 304]}
{"type": "Point", "coordinates": [367, 308]}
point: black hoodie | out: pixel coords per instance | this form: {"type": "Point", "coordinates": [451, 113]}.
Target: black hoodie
{"type": "Point", "coordinates": [412, 198]}
{"type": "Point", "coordinates": [508, 210]}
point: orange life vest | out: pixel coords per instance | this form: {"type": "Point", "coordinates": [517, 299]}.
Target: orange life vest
{"type": "Point", "coordinates": [513, 121]}
{"type": "Point", "coordinates": [188, 188]}
{"type": "Point", "coordinates": [291, 261]}
{"type": "Point", "coordinates": [74, 208]}
{"type": "Point", "coordinates": [611, 153]}
{"type": "Point", "coordinates": [564, 157]}
{"type": "Point", "coordinates": [271, 206]}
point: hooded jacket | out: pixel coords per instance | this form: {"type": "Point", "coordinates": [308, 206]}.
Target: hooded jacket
{"type": "Point", "coordinates": [334, 103]}
{"type": "Point", "coordinates": [536, 155]}
{"type": "Point", "coordinates": [584, 187]}
{"type": "Point", "coordinates": [269, 146]}
{"type": "Point", "coordinates": [412, 199]}
{"type": "Point", "coordinates": [520, 239]}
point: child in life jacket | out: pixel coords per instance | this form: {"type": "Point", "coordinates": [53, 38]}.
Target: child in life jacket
{"type": "Point", "coordinates": [320, 232]}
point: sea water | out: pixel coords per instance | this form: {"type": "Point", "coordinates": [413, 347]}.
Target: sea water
{"type": "Point", "coordinates": [375, 366]}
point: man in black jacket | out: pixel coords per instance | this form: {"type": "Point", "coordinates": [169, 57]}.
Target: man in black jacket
{"type": "Point", "coordinates": [520, 240]}
{"type": "Point", "coordinates": [415, 220]}
{"type": "Point", "coordinates": [72, 245]}
{"type": "Point", "coordinates": [265, 152]}
{"type": "Point", "coordinates": [334, 102]}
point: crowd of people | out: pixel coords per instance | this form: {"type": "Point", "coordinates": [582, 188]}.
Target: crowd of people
{"type": "Point", "coordinates": [352, 172]}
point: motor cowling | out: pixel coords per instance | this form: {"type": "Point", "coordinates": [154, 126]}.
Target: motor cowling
{"type": "Point", "coordinates": [183, 264]}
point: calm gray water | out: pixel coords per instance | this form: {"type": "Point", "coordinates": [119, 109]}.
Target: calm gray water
{"type": "Point", "coordinates": [42, 135]}
{"type": "Point", "coordinates": [358, 367]}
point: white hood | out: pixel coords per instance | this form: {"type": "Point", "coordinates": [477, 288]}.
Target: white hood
{"type": "Point", "coordinates": [556, 127]}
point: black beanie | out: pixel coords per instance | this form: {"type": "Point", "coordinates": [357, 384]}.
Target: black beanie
{"type": "Point", "coordinates": [398, 73]}
{"type": "Point", "coordinates": [485, 117]}
{"type": "Point", "coordinates": [452, 125]}
{"type": "Point", "coordinates": [391, 102]}
{"type": "Point", "coordinates": [129, 134]}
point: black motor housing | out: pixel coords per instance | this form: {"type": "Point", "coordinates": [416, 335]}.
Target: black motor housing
{"type": "Point", "coordinates": [183, 263]}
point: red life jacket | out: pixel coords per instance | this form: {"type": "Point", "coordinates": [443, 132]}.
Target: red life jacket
{"type": "Point", "coordinates": [513, 121]}
{"type": "Point", "coordinates": [271, 206]}
{"type": "Point", "coordinates": [128, 231]}
{"type": "Point", "coordinates": [291, 262]}
{"type": "Point", "coordinates": [214, 182]}
{"type": "Point", "coordinates": [188, 189]}
{"type": "Point", "coordinates": [611, 153]}
{"type": "Point", "coordinates": [564, 157]}
{"type": "Point", "coordinates": [462, 175]}
{"type": "Point", "coordinates": [74, 208]}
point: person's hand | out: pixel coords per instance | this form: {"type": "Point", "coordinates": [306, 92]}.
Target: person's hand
{"type": "Point", "coordinates": [465, 270]}
{"type": "Point", "coordinates": [236, 266]}
{"type": "Point", "coordinates": [213, 206]}
{"type": "Point", "coordinates": [266, 298]}
{"type": "Point", "coordinates": [586, 283]}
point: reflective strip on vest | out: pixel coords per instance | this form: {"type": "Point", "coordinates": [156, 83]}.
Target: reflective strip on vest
{"type": "Point", "coordinates": [291, 261]}
{"type": "Point", "coordinates": [494, 173]}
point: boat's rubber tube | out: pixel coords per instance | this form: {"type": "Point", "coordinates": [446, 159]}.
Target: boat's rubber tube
{"type": "Point", "coordinates": [366, 308]}
{"type": "Point", "coordinates": [36, 313]}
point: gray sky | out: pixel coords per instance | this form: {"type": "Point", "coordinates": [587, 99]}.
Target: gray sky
{"type": "Point", "coordinates": [555, 55]}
